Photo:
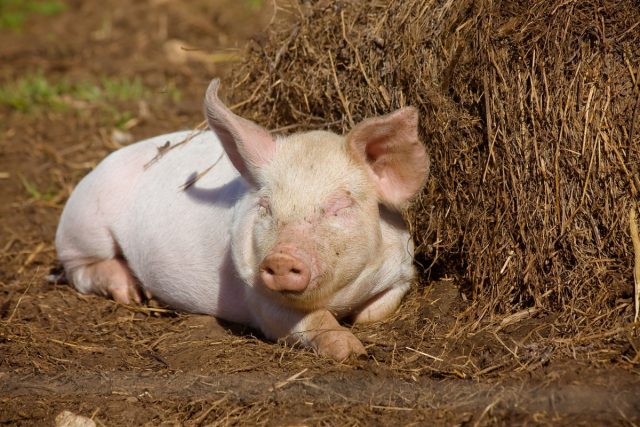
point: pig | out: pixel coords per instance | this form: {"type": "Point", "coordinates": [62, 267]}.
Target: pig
{"type": "Point", "coordinates": [284, 234]}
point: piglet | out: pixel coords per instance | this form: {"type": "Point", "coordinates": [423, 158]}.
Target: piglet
{"type": "Point", "coordinates": [284, 234]}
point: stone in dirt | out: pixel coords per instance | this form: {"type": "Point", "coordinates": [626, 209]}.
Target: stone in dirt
{"type": "Point", "coordinates": [69, 419]}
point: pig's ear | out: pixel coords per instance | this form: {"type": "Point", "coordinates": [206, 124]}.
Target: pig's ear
{"type": "Point", "coordinates": [395, 157]}
{"type": "Point", "coordinates": [247, 144]}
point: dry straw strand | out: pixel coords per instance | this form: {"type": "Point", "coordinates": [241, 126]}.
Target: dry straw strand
{"type": "Point", "coordinates": [635, 238]}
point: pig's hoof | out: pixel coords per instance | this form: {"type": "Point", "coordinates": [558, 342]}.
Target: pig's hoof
{"type": "Point", "coordinates": [125, 293]}
{"type": "Point", "coordinates": [110, 277]}
{"type": "Point", "coordinates": [338, 344]}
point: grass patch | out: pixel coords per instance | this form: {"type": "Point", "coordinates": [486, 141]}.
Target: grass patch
{"type": "Point", "coordinates": [254, 4]}
{"type": "Point", "coordinates": [14, 13]}
{"type": "Point", "coordinates": [35, 92]}
{"type": "Point", "coordinates": [35, 193]}
{"type": "Point", "coordinates": [31, 91]}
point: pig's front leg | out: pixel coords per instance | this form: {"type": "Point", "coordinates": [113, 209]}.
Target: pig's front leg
{"type": "Point", "coordinates": [323, 333]}
{"type": "Point", "coordinates": [381, 306]}
{"type": "Point", "coordinates": [318, 329]}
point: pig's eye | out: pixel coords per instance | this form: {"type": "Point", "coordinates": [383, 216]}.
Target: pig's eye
{"type": "Point", "coordinates": [263, 206]}
{"type": "Point", "coordinates": [338, 205]}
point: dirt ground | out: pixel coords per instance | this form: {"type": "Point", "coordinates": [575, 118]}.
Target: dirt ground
{"type": "Point", "coordinates": [125, 365]}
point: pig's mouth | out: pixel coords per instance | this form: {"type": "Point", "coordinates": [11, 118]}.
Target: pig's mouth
{"type": "Point", "coordinates": [293, 294]}
{"type": "Point", "coordinates": [313, 297]}
{"type": "Point", "coordinates": [306, 292]}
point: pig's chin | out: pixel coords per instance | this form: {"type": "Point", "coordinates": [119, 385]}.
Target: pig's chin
{"type": "Point", "coordinates": [313, 297]}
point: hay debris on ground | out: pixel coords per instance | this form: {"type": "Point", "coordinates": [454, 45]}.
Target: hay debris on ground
{"type": "Point", "coordinates": [530, 115]}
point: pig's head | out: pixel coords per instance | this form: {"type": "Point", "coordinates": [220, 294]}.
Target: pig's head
{"type": "Point", "coordinates": [313, 223]}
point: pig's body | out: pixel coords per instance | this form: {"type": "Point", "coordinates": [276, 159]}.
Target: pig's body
{"type": "Point", "coordinates": [285, 235]}
{"type": "Point", "coordinates": [177, 241]}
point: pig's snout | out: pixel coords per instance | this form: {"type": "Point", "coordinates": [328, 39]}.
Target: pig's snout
{"type": "Point", "coordinates": [281, 271]}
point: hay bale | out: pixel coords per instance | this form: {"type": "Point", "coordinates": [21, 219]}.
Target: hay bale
{"type": "Point", "coordinates": [529, 112]}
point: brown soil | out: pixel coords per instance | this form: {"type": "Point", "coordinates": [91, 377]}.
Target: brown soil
{"type": "Point", "coordinates": [148, 366]}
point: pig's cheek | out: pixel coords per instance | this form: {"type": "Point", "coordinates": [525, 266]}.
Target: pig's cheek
{"type": "Point", "coordinates": [347, 227]}
{"type": "Point", "coordinates": [341, 237]}
{"type": "Point", "coordinates": [247, 225]}
{"type": "Point", "coordinates": [346, 220]}
{"type": "Point", "coordinates": [263, 238]}
{"type": "Point", "coordinates": [359, 239]}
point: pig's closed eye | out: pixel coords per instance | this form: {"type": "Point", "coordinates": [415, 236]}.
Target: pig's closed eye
{"type": "Point", "coordinates": [263, 206]}
{"type": "Point", "coordinates": [338, 206]}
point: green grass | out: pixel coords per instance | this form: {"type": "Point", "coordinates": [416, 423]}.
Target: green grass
{"type": "Point", "coordinates": [254, 4]}
{"type": "Point", "coordinates": [31, 91]}
{"type": "Point", "coordinates": [34, 92]}
{"type": "Point", "coordinates": [35, 193]}
{"type": "Point", "coordinates": [14, 13]}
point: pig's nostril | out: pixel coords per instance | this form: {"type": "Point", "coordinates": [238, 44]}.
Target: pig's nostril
{"type": "Point", "coordinates": [296, 271]}
{"type": "Point", "coordinates": [269, 271]}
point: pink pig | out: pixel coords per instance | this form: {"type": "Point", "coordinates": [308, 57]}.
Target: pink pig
{"type": "Point", "coordinates": [284, 234]}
